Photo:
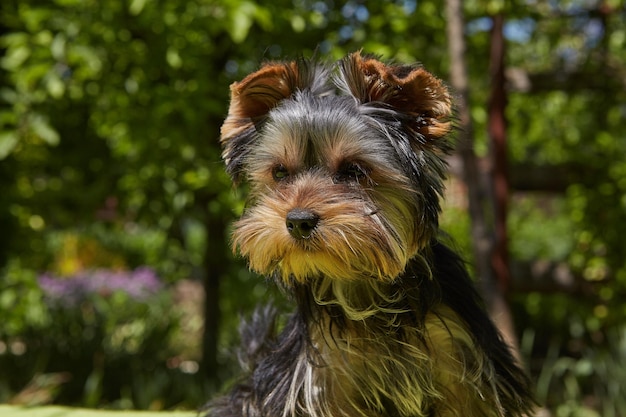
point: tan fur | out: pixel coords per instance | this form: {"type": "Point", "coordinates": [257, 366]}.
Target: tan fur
{"type": "Point", "coordinates": [416, 91]}
{"type": "Point", "coordinates": [374, 247]}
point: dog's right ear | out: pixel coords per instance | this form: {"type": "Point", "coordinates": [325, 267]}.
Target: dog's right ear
{"type": "Point", "coordinates": [250, 101]}
{"type": "Point", "coordinates": [407, 89]}
{"type": "Point", "coordinates": [255, 96]}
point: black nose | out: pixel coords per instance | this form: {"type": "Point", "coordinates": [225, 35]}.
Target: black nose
{"type": "Point", "coordinates": [301, 222]}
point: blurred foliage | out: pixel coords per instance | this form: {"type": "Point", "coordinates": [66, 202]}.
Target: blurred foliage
{"type": "Point", "coordinates": [91, 339]}
{"type": "Point", "coordinates": [21, 301]}
{"type": "Point", "coordinates": [109, 158]}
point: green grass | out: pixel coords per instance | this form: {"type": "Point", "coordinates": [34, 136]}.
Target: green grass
{"type": "Point", "coordinates": [54, 411]}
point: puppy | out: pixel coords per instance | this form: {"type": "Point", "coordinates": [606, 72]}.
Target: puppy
{"type": "Point", "coordinates": [346, 165]}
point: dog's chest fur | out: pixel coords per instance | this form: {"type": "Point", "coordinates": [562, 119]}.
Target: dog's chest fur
{"type": "Point", "coordinates": [380, 366]}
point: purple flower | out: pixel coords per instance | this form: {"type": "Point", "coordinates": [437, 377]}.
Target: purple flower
{"type": "Point", "coordinates": [139, 284]}
{"type": "Point", "coordinates": [58, 289]}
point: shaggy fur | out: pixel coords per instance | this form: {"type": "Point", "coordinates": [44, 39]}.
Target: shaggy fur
{"type": "Point", "coordinates": [346, 166]}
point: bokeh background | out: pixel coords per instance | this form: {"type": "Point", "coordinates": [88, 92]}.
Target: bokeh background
{"type": "Point", "coordinates": [118, 288]}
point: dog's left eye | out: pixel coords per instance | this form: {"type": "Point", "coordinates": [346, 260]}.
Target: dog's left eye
{"type": "Point", "coordinates": [351, 172]}
{"type": "Point", "coordinates": [280, 172]}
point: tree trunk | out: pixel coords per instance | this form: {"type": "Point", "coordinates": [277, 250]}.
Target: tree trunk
{"type": "Point", "coordinates": [489, 239]}
{"type": "Point", "coordinates": [498, 154]}
{"type": "Point", "coordinates": [214, 265]}
{"type": "Point", "coordinates": [477, 193]}
{"type": "Point", "coordinates": [500, 311]}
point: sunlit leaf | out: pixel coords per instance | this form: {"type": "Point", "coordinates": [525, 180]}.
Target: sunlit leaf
{"type": "Point", "coordinates": [136, 6]}
{"type": "Point", "coordinates": [242, 19]}
{"type": "Point", "coordinates": [8, 141]}
{"type": "Point", "coordinates": [54, 85]}
{"type": "Point", "coordinates": [42, 128]}
{"type": "Point", "coordinates": [173, 58]}
{"type": "Point", "coordinates": [57, 47]}
{"type": "Point", "coordinates": [15, 57]}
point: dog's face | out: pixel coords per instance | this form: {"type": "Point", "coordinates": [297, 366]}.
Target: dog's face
{"type": "Point", "coordinates": [345, 168]}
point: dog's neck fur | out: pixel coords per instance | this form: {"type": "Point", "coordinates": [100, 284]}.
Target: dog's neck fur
{"type": "Point", "coordinates": [364, 355]}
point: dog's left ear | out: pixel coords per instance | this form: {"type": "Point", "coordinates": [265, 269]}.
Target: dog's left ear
{"type": "Point", "coordinates": [407, 89]}
{"type": "Point", "coordinates": [250, 100]}
{"type": "Point", "coordinates": [255, 96]}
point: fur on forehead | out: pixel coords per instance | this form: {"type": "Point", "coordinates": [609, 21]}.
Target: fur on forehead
{"type": "Point", "coordinates": [407, 100]}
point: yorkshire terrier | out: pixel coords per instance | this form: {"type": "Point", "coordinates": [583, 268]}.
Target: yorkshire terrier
{"type": "Point", "coordinates": [346, 165]}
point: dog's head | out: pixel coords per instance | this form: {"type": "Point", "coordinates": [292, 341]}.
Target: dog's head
{"type": "Point", "coordinates": [345, 165]}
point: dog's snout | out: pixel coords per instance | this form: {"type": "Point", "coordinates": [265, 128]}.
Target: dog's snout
{"type": "Point", "coordinates": [301, 223]}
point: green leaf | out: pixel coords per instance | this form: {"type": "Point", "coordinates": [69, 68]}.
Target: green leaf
{"type": "Point", "coordinates": [173, 58]}
{"type": "Point", "coordinates": [15, 57]}
{"type": "Point", "coordinates": [54, 85]}
{"type": "Point", "coordinates": [57, 47]}
{"type": "Point", "coordinates": [136, 6]}
{"type": "Point", "coordinates": [8, 141]}
{"type": "Point", "coordinates": [242, 20]}
{"type": "Point", "coordinates": [42, 128]}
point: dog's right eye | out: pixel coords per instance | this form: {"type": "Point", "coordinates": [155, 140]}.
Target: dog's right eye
{"type": "Point", "coordinates": [280, 172]}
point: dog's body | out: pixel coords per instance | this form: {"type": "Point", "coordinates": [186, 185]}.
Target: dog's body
{"type": "Point", "coordinates": [345, 172]}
